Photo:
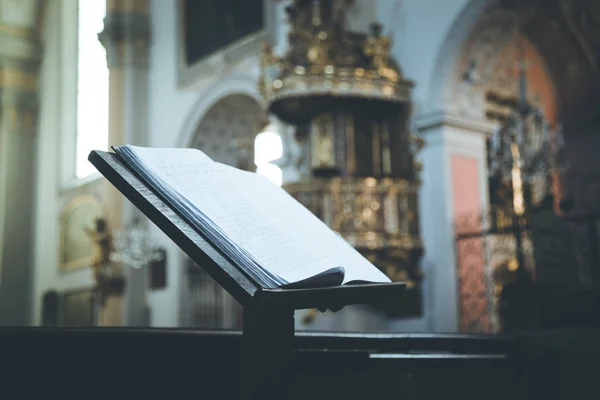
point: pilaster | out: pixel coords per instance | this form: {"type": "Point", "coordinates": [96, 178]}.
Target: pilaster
{"type": "Point", "coordinates": [20, 52]}
{"type": "Point", "coordinates": [454, 179]}
{"type": "Point", "coordinates": [126, 37]}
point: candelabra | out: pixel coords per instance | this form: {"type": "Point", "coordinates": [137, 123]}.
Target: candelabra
{"type": "Point", "coordinates": [134, 247]}
{"type": "Point", "coordinates": [525, 152]}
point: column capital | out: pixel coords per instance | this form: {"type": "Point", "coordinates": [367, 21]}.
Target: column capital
{"type": "Point", "coordinates": [20, 29]}
{"type": "Point", "coordinates": [20, 109]}
{"type": "Point", "coordinates": [128, 5]}
{"type": "Point", "coordinates": [19, 45]}
{"type": "Point", "coordinates": [429, 121]}
{"type": "Point", "coordinates": [126, 36]}
{"type": "Point", "coordinates": [20, 58]}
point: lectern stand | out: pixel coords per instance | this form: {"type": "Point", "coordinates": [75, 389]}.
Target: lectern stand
{"type": "Point", "coordinates": [268, 328]}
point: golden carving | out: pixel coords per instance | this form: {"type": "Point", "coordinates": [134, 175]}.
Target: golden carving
{"type": "Point", "coordinates": [375, 135]}
{"type": "Point", "coordinates": [378, 48]}
{"type": "Point", "coordinates": [18, 31]}
{"type": "Point", "coordinates": [323, 142]}
{"type": "Point", "coordinates": [76, 247]}
{"type": "Point", "coordinates": [108, 274]}
{"type": "Point", "coordinates": [350, 145]}
{"type": "Point", "coordinates": [325, 60]}
{"type": "Point", "coordinates": [318, 51]}
{"type": "Point", "coordinates": [358, 211]}
{"type": "Point", "coordinates": [321, 85]}
{"type": "Point", "coordinates": [103, 242]}
{"type": "Point", "coordinates": [15, 78]}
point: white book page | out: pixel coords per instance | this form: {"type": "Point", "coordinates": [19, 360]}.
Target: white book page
{"type": "Point", "coordinates": [281, 234]}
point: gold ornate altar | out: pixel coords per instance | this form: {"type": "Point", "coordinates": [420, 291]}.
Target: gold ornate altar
{"type": "Point", "coordinates": [350, 105]}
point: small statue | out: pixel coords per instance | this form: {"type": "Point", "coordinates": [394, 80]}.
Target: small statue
{"type": "Point", "coordinates": [270, 65]}
{"type": "Point", "coordinates": [378, 48]}
{"type": "Point", "coordinates": [319, 49]}
{"type": "Point", "coordinates": [297, 15]}
{"type": "Point", "coordinates": [108, 278]}
{"type": "Point", "coordinates": [268, 57]}
{"type": "Point", "coordinates": [104, 246]}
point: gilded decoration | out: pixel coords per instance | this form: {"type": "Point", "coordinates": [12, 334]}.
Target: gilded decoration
{"type": "Point", "coordinates": [19, 83]}
{"type": "Point", "coordinates": [350, 106]}
{"type": "Point", "coordinates": [374, 215]}
{"type": "Point", "coordinates": [77, 249]}
{"type": "Point", "coordinates": [326, 60]}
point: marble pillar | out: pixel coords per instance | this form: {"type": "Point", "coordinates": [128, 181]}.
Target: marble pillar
{"type": "Point", "coordinates": [20, 55]}
{"type": "Point", "coordinates": [454, 183]}
{"type": "Point", "coordinates": [126, 37]}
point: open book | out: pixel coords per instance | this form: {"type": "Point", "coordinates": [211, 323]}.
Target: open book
{"type": "Point", "coordinates": [263, 230]}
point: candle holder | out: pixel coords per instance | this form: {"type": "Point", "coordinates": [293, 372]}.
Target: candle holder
{"type": "Point", "coordinates": [134, 247]}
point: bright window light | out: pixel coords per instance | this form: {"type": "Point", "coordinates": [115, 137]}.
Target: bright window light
{"type": "Point", "coordinates": [271, 172]}
{"type": "Point", "coordinates": [267, 147]}
{"type": "Point", "coordinates": [92, 85]}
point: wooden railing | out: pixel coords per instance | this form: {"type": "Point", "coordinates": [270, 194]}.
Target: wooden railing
{"type": "Point", "coordinates": [206, 364]}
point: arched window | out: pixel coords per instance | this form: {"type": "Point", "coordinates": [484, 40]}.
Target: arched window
{"type": "Point", "coordinates": [92, 85]}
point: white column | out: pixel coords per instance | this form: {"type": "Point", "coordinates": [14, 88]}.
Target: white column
{"type": "Point", "coordinates": [20, 53]}
{"type": "Point", "coordinates": [126, 37]}
{"type": "Point", "coordinates": [449, 141]}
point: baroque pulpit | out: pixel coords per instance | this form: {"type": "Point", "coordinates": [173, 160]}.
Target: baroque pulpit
{"type": "Point", "coordinates": [350, 106]}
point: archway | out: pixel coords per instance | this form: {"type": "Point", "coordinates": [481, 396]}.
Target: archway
{"type": "Point", "coordinates": [560, 46]}
{"type": "Point", "coordinates": [563, 33]}
{"type": "Point", "coordinates": [225, 132]}
{"type": "Point", "coordinates": [479, 58]}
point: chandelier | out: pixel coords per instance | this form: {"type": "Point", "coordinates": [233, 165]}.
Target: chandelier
{"type": "Point", "coordinates": [526, 151]}
{"type": "Point", "coordinates": [134, 246]}
{"type": "Point", "coordinates": [525, 154]}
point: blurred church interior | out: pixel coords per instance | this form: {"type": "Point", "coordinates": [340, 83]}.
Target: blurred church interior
{"type": "Point", "coordinates": [453, 143]}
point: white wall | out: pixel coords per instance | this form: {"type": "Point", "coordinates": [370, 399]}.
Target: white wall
{"type": "Point", "coordinates": [445, 140]}
{"type": "Point", "coordinates": [56, 128]}
{"type": "Point", "coordinates": [174, 114]}
{"type": "Point", "coordinates": [420, 28]}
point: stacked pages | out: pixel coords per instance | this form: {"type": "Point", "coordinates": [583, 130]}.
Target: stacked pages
{"type": "Point", "coordinates": [258, 226]}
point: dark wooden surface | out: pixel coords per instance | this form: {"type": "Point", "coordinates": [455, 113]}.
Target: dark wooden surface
{"type": "Point", "coordinates": [206, 364]}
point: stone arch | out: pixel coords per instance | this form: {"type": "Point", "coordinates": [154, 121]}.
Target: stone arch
{"type": "Point", "coordinates": [235, 85]}
{"type": "Point", "coordinates": [487, 63]}
{"type": "Point", "coordinates": [227, 130]}
{"type": "Point", "coordinates": [565, 39]}
{"type": "Point", "coordinates": [560, 37]}
{"type": "Point", "coordinates": [228, 110]}
{"type": "Point", "coordinates": [447, 60]}
{"type": "Point", "coordinates": [503, 80]}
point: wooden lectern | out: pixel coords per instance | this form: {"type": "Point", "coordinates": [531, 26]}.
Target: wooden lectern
{"type": "Point", "coordinates": [268, 324]}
